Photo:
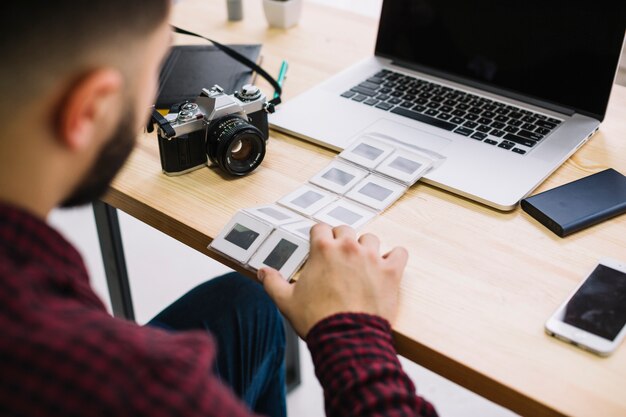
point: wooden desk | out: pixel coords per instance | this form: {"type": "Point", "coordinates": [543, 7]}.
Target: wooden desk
{"type": "Point", "coordinates": [480, 283]}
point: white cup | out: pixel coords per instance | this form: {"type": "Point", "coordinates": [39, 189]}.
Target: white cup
{"type": "Point", "coordinates": [282, 14]}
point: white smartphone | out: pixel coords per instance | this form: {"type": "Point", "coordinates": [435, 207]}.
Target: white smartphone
{"type": "Point", "coordinates": [594, 317]}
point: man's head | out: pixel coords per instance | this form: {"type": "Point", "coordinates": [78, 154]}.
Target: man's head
{"type": "Point", "coordinates": [77, 80]}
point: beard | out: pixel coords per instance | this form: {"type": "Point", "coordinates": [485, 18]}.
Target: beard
{"type": "Point", "coordinates": [111, 159]}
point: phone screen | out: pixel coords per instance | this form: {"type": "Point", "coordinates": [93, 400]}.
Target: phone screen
{"type": "Point", "coordinates": [599, 305]}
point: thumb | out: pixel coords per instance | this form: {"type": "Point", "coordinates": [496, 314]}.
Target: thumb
{"type": "Point", "coordinates": [276, 287]}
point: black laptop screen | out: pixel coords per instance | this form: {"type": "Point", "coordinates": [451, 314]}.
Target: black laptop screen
{"type": "Point", "coordinates": [563, 52]}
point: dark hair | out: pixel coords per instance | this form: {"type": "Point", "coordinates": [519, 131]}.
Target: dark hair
{"type": "Point", "coordinates": [41, 39]}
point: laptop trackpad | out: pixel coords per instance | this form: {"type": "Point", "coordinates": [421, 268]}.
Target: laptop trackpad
{"type": "Point", "coordinates": [408, 135]}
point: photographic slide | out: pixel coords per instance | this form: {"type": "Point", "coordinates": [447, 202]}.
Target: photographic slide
{"type": "Point", "coordinates": [377, 192]}
{"type": "Point", "coordinates": [367, 152]}
{"type": "Point", "coordinates": [274, 214]}
{"type": "Point", "coordinates": [405, 166]}
{"type": "Point", "coordinates": [241, 237]}
{"type": "Point", "coordinates": [344, 212]}
{"type": "Point", "coordinates": [301, 229]}
{"type": "Point", "coordinates": [339, 177]}
{"type": "Point", "coordinates": [282, 251]}
{"type": "Point", "coordinates": [307, 200]}
{"type": "Point", "coordinates": [281, 254]}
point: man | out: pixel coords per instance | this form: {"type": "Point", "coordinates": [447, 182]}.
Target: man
{"type": "Point", "coordinates": [77, 82]}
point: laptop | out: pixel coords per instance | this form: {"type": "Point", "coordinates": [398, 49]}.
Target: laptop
{"type": "Point", "coordinates": [505, 91]}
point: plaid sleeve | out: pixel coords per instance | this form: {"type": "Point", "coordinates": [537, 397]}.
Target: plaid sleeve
{"type": "Point", "coordinates": [107, 367]}
{"type": "Point", "coordinates": [359, 370]}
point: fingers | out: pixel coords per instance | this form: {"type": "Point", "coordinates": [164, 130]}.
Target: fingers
{"type": "Point", "coordinates": [397, 258]}
{"type": "Point", "coordinates": [344, 232]}
{"type": "Point", "coordinates": [321, 231]}
{"type": "Point", "coordinates": [370, 241]}
{"type": "Point", "coordinates": [276, 287]}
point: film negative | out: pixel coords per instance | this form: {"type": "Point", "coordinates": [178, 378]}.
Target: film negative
{"type": "Point", "coordinates": [404, 166]}
{"type": "Point", "coordinates": [241, 237]}
{"type": "Point", "coordinates": [376, 192]}
{"type": "Point", "coordinates": [274, 214]}
{"type": "Point", "coordinates": [367, 152]}
{"type": "Point", "coordinates": [307, 200]}
{"type": "Point", "coordinates": [282, 251]}
{"type": "Point", "coordinates": [344, 212]}
{"type": "Point", "coordinates": [339, 177]}
{"type": "Point", "coordinates": [301, 229]}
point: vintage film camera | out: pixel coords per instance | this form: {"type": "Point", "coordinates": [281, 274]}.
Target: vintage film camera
{"type": "Point", "coordinates": [231, 130]}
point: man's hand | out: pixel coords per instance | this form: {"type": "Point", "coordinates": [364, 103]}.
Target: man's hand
{"type": "Point", "coordinates": [342, 275]}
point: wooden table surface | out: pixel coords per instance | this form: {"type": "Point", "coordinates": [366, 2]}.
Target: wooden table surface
{"type": "Point", "coordinates": [480, 283]}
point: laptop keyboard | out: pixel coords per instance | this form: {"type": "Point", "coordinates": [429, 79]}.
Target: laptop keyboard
{"type": "Point", "coordinates": [479, 118]}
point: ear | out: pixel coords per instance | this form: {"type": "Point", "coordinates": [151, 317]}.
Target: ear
{"type": "Point", "coordinates": [89, 102]}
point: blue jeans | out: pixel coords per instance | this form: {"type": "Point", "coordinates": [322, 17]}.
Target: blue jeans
{"type": "Point", "coordinates": [250, 336]}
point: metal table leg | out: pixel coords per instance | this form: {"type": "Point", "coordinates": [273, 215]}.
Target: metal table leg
{"type": "Point", "coordinates": [292, 358]}
{"type": "Point", "coordinates": [112, 249]}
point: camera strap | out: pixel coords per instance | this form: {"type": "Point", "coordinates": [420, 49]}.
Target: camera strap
{"type": "Point", "coordinates": [240, 58]}
{"type": "Point", "coordinates": [163, 123]}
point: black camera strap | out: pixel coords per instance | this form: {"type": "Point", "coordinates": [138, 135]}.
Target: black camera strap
{"type": "Point", "coordinates": [163, 123]}
{"type": "Point", "coordinates": [240, 58]}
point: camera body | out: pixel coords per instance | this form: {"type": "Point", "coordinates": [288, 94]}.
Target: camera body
{"type": "Point", "coordinates": [230, 131]}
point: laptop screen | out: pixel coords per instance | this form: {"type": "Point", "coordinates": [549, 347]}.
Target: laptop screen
{"type": "Point", "coordinates": [564, 52]}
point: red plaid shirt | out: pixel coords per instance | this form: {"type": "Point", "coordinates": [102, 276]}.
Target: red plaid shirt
{"type": "Point", "coordinates": [62, 354]}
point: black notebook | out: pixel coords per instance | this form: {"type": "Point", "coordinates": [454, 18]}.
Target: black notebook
{"type": "Point", "coordinates": [190, 68]}
{"type": "Point", "coordinates": [579, 204]}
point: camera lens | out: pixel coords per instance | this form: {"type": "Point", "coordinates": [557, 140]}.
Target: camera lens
{"type": "Point", "coordinates": [241, 149]}
{"type": "Point", "coordinates": [235, 145]}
